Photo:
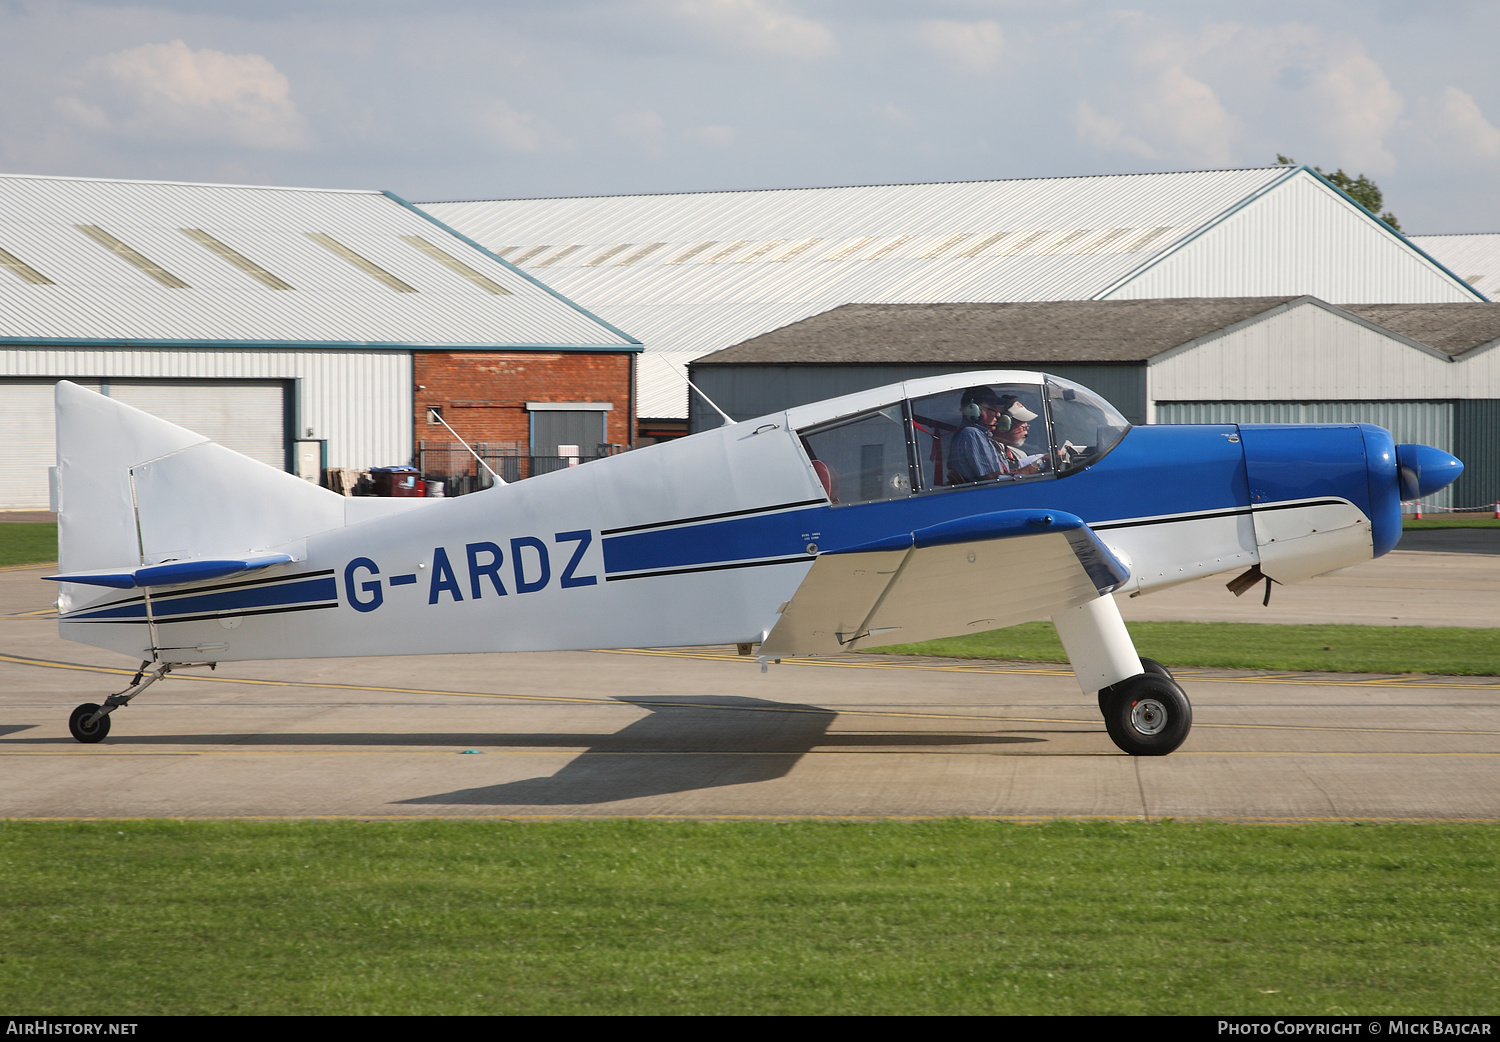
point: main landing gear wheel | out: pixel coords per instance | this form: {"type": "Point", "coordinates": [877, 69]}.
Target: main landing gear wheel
{"type": "Point", "coordinates": [1147, 715]}
{"type": "Point", "coordinates": [88, 733]}
{"type": "Point", "coordinates": [1150, 665]}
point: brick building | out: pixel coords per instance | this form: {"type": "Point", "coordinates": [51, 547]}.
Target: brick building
{"type": "Point", "coordinates": [525, 411]}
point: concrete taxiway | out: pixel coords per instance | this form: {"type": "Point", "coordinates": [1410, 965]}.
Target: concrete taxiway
{"type": "Point", "coordinates": [702, 733]}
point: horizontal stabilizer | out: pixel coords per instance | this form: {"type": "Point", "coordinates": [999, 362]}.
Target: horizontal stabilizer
{"type": "Point", "coordinates": [172, 574]}
{"type": "Point", "coordinates": [964, 576]}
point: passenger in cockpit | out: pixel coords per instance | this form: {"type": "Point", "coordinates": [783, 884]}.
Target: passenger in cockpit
{"type": "Point", "coordinates": [1010, 432]}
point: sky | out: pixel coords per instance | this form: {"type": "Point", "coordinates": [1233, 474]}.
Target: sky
{"type": "Point", "coordinates": [450, 99]}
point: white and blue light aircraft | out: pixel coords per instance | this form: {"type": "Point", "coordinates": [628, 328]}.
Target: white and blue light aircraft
{"type": "Point", "coordinates": [823, 529]}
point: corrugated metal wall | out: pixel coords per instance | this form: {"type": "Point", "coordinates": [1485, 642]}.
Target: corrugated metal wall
{"type": "Point", "coordinates": [1301, 238]}
{"type": "Point", "coordinates": [747, 391]}
{"type": "Point", "coordinates": [360, 401]}
{"type": "Point", "coordinates": [1476, 441]}
{"type": "Point", "coordinates": [1308, 353]}
{"type": "Point", "coordinates": [1424, 423]}
{"type": "Point", "coordinates": [248, 416]}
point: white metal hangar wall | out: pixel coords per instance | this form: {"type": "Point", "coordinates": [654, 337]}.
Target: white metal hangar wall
{"type": "Point", "coordinates": [254, 402]}
{"type": "Point", "coordinates": [693, 273]}
{"type": "Point", "coordinates": [253, 315]}
{"type": "Point", "coordinates": [1428, 373]}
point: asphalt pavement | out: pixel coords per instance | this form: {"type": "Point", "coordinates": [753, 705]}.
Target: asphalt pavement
{"type": "Point", "coordinates": [703, 733]}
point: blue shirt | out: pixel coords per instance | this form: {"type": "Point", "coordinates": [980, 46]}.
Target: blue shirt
{"type": "Point", "coordinates": [971, 454]}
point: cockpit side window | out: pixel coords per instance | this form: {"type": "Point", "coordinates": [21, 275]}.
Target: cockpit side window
{"type": "Point", "coordinates": [863, 458]}
{"type": "Point", "coordinates": [981, 434]}
{"type": "Point", "coordinates": [1084, 425]}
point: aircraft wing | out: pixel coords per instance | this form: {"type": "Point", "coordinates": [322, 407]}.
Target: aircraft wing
{"type": "Point", "coordinates": [977, 573]}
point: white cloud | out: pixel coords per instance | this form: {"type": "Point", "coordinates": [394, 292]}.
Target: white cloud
{"type": "Point", "coordinates": [893, 113]}
{"type": "Point", "coordinates": [1227, 93]}
{"type": "Point", "coordinates": [508, 128]}
{"type": "Point", "coordinates": [714, 136]}
{"type": "Point", "coordinates": [168, 91]}
{"type": "Point", "coordinates": [972, 47]}
{"type": "Point", "coordinates": [1107, 134]}
{"type": "Point", "coordinates": [1357, 106]}
{"type": "Point", "coordinates": [81, 114]}
{"type": "Point", "coordinates": [642, 128]}
{"type": "Point", "coordinates": [1164, 112]}
{"type": "Point", "coordinates": [762, 26]}
{"type": "Point", "coordinates": [1188, 115]}
{"type": "Point", "coordinates": [1461, 126]}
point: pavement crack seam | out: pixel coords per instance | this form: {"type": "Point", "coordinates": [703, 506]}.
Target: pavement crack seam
{"type": "Point", "coordinates": [1140, 787]}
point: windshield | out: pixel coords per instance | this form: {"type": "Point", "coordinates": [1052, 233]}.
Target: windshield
{"type": "Point", "coordinates": [1084, 426]}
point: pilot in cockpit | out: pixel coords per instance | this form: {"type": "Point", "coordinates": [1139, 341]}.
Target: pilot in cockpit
{"type": "Point", "coordinates": [972, 454]}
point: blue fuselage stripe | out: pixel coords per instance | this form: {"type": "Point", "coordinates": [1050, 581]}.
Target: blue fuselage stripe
{"type": "Point", "coordinates": [227, 601]}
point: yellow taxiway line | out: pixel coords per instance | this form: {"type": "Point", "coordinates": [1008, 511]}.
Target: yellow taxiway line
{"type": "Point", "coordinates": [649, 703]}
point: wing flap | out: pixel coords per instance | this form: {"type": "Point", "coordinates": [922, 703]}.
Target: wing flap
{"type": "Point", "coordinates": [977, 573]}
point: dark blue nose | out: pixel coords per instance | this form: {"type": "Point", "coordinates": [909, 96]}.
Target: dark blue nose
{"type": "Point", "coordinates": [1423, 470]}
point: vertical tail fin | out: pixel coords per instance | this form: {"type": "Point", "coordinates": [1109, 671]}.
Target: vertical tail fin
{"type": "Point", "coordinates": [136, 490]}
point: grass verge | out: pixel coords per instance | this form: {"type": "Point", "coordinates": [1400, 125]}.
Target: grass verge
{"type": "Point", "coordinates": [1251, 645]}
{"type": "Point", "coordinates": [625, 917]}
{"type": "Point", "coordinates": [1411, 524]}
{"type": "Point", "coordinates": [28, 542]}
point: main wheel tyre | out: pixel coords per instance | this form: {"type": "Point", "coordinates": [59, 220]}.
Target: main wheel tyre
{"type": "Point", "coordinates": [1148, 715]}
{"type": "Point", "coordinates": [1150, 665]}
{"type": "Point", "coordinates": [88, 733]}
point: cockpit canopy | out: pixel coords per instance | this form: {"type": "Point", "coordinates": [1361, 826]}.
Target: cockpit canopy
{"type": "Point", "coordinates": [1008, 431]}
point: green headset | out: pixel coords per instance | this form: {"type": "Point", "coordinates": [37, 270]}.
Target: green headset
{"type": "Point", "coordinates": [970, 413]}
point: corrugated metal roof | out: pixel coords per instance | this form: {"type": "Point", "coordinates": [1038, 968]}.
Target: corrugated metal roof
{"type": "Point", "coordinates": [692, 273]}
{"type": "Point", "coordinates": [738, 264]}
{"type": "Point", "coordinates": [1473, 258]}
{"type": "Point", "coordinates": [1449, 328]}
{"type": "Point", "coordinates": [987, 335]}
{"type": "Point", "coordinates": [97, 292]}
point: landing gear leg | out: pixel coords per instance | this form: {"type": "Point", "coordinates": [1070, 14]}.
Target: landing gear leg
{"type": "Point", "coordinates": [89, 723]}
{"type": "Point", "coordinates": [1145, 710]}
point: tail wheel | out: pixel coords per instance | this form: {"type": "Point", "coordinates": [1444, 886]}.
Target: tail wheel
{"type": "Point", "coordinates": [88, 733]}
{"type": "Point", "coordinates": [1147, 715]}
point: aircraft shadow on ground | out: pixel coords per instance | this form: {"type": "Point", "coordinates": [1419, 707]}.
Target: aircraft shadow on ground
{"type": "Point", "coordinates": [692, 743]}
{"type": "Point", "coordinates": [685, 743]}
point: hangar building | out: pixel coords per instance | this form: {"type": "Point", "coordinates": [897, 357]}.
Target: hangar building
{"type": "Point", "coordinates": [1429, 373]}
{"type": "Point", "coordinates": [693, 273]}
{"type": "Point", "coordinates": [268, 318]}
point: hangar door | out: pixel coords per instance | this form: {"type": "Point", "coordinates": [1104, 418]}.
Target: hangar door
{"type": "Point", "coordinates": [1422, 423]}
{"type": "Point", "coordinates": [248, 416]}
